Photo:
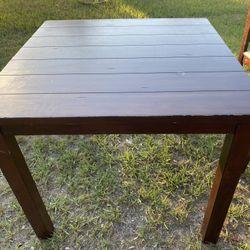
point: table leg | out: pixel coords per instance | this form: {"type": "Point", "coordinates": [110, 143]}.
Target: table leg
{"type": "Point", "coordinates": [233, 161]}
{"type": "Point", "coordinates": [16, 172]}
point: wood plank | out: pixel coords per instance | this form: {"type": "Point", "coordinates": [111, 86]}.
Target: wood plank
{"type": "Point", "coordinates": [166, 104]}
{"type": "Point", "coordinates": [120, 52]}
{"type": "Point", "coordinates": [126, 22]}
{"type": "Point", "coordinates": [123, 83]}
{"type": "Point", "coordinates": [122, 66]}
{"type": "Point", "coordinates": [120, 31]}
{"type": "Point", "coordinates": [146, 40]}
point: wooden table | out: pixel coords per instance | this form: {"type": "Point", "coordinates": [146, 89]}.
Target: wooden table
{"type": "Point", "coordinates": [125, 76]}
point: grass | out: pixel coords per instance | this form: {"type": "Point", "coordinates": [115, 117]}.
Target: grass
{"type": "Point", "coordinates": [121, 191]}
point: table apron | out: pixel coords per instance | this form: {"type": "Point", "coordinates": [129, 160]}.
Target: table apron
{"type": "Point", "coordinates": [120, 126]}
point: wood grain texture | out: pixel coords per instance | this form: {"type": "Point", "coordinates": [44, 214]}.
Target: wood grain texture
{"type": "Point", "coordinates": [121, 66]}
{"type": "Point", "coordinates": [146, 40]}
{"type": "Point", "coordinates": [119, 52]}
{"type": "Point", "coordinates": [21, 182]}
{"type": "Point", "coordinates": [233, 161]}
{"type": "Point", "coordinates": [121, 31]}
{"type": "Point", "coordinates": [126, 104]}
{"type": "Point", "coordinates": [124, 81]}
{"type": "Point", "coordinates": [127, 22]}
{"type": "Point", "coordinates": [42, 84]}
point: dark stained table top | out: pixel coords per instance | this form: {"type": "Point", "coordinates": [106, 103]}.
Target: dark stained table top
{"type": "Point", "coordinates": [124, 68]}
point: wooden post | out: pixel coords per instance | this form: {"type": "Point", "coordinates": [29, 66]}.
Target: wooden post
{"type": "Point", "coordinates": [233, 161]}
{"type": "Point", "coordinates": [16, 172]}
{"type": "Point", "coordinates": [246, 38]}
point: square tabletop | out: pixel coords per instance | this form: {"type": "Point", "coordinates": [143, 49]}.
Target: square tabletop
{"type": "Point", "coordinates": [124, 68]}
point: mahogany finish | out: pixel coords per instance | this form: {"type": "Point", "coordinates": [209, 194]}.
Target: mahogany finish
{"type": "Point", "coordinates": [233, 161]}
{"type": "Point", "coordinates": [125, 76]}
{"type": "Point", "coordinates": [21, 182]}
